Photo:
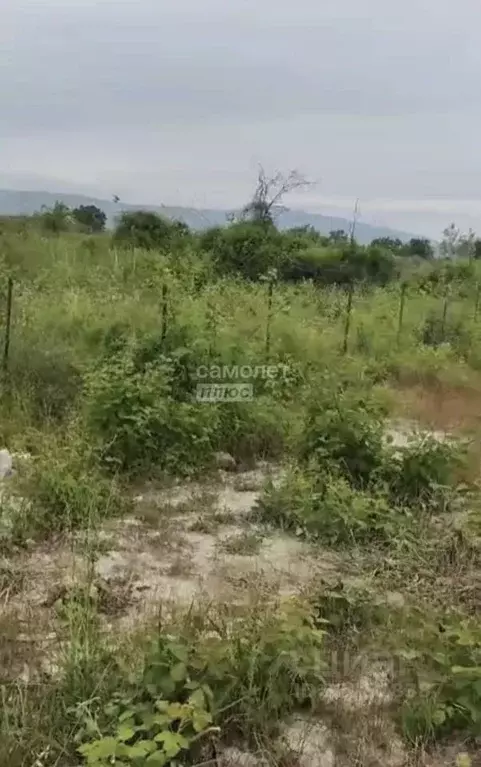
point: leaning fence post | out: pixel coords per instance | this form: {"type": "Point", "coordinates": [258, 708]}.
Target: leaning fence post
{"type": "Point", "coordinates": [164, 312]}
{"type": "Point", "coordinates": [270, 292]}
{"type": "Point", "coordinates": [6, 348]}
{"type": "Point", "coordinates": [347, 323]}
{"type": "Point", "coordinates": [402, 299]}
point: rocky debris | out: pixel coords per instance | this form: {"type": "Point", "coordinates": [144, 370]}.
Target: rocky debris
{"type": "Point", "coordinates": [310, 742]}
{"type": "Point", "coordinates": [372, 689]}
{"type": "Point", "coordinates": [225, 461]}
{"type": "Point", "coordinates": [234, 757]}
{"type": "Point", "coordinates": [6, 464]}
{"type": "Point", "coordinates": [403, 434]}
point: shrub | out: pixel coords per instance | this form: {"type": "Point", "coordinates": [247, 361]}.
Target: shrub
{"type": "Point", "coordinates": [148, 230]}
{"type": "Point", "coordinates": [138, 424]}
{"type": "Point", "coordinates": [65, 489]}
{"type": "Point", "coordinates": [344, 433]}
{"type": "Point", "coordinates": [445, 671]}
{"type": "Point", "coordinates": [327, 509]}
{"type": "Point", "coordinates": [49, 382]}
{"type": "Point", "coordinates": [341, 264]}
{"type": "Point", "coordinates": [90, 217]}
{"type": "Point", "coordinates": [213, 673]}
{"type": "Point", "coordinates": [424, 473]}
{"type": "Point", "coordinates": [246, 248]}
{"type": "Point", "coordinates": [252, 430]}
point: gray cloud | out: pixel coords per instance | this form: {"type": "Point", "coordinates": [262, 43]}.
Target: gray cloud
{"type": "Point", "coordinates": [380, 100]}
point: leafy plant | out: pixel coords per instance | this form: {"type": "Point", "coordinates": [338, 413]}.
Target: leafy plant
{"type": "Point", "coordinates": [66, 489]}
{"type": "Point", "coordinates": [138, 423]}
{"type": "Point", "coordinates": [327, 508]}
{"type": "Point", "coordinates": [446, 667]}
{"type": "Point", "coordinates": [153, 732]}
{"type": "Point", "coordinates": [344, 433]}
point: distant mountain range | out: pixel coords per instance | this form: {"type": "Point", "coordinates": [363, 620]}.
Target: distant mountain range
{"type": "Point", "coordinates": [16, 203]}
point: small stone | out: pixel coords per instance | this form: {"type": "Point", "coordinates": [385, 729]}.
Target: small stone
{"type": "Point", "coordinates": [225, 461]}
{"type": "Point", "coordinates": [6, 464]}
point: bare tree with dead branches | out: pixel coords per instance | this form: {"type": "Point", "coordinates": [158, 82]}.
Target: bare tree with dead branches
{"type": "Point", "coordinates": [266, 202]}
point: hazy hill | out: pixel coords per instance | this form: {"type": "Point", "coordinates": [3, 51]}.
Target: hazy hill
{"type": "Point", "coordinates": [25, 203]}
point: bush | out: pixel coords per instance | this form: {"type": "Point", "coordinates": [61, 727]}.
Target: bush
{"type": "Point", "coordinates": [65, 489]}
{"type": "Point", "coordinates": [254, 430]}
{"type": "Point", "coordinates": [445, 697]}
{"type": "Point", "coordinates": [50, 383]}
{"type": "Point", "coordinates": [326, 508]}
{"type": "Point", "coordinates": [424, 473]}
{"type": "Point", "coordinates": [247, 249]}
{"type": "Point", "coordinates": [341, 264]}
{"type": "Point", "coordinates": [137, 422]}
{"type": "Point", "coordinates": [344, 434]}
{"type": "Point", "coordinates": [148, 230]}
{"type": "Point", "coordinates": [90, 217]}
{"type": "Point", "coordinates": [237, 675]}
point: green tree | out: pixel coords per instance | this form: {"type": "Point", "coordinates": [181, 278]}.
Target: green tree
{"type": "Point", "coordinates": [420, 247]}
{"type": "Point", "coordinates": [91, 217]}
{"type": "Point", "coordinates": [244, 248]}
{"type": "Point", "coordinates": [393, 244]}
{"type": "Point", "coordinates": [338, 236]}
{"type": "Point", "coordinates": [146, 229]}
{"type": "Point", "coordinates": [57, 218]}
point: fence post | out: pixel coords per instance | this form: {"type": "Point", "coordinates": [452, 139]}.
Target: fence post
{"type": "Point", "coordinates": [212, 328]}
{"type": "Point", "coordinates": [347, 323]}
{"type": "Point", "coordinates": [8, 324]}
{"type": "Point", "coordinates": [270, 292]}
{"type": "Point", "coordinates": [444, 317]}
{"type": "Point", "coordinates": [401, 311]}
{"type": "Point", "coordinates": [164, 312]}
{"type": "Point", "coordinates": [476, 301]}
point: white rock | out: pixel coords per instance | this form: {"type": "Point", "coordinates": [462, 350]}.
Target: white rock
{"type": "Point", "coordinates": [234, 757]}
{"type": "Point", "coordinates": [310, 741]}
{"type": "Point", "coordinates": [225, 461]}
{"type": "Point", "coordinates": [6, 464]}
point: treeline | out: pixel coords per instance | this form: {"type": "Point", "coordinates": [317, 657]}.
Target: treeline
{"type": "Point", "coordinates": [248, 248]}
{"type": "Point", "coordinates": [251, 246]}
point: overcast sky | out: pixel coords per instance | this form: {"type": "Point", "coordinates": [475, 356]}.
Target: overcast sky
{"type": "Point", "coordinates": [177, 101]}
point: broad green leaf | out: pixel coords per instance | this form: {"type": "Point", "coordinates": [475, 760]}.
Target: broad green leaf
{"type": "Point", "coordinates": [99, 749]}
{"type": "Point", "coordinates": [179, 651]}
{"type": "Point", "coordinates": [157, 759]}
{"type": "Point", "coordinates": [201, 720]}
{"type": "Point", "coordinates": [178, 711]}
{"type": "Point", "coordinates": [178, 672]}
{"type": "Point", "coordinates": [125, 732]}
{"type": "Point", "coordinates": [143, 748]}
{"type": "Point", "coordinates": [197, 698]}
{"type": "Point", "coordinates": [161, 719]}
{"type": "Point", "coordinates": [470, 671]}
{"type": "Point", "coordinates": [172, 742]}
{"type": "Point", "coordinates": [129, 714]}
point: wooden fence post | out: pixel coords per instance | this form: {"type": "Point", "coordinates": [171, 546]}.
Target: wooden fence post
{"type": "Point", "coordinates": [347, 324]}
{"type": "Point", "coordinates": [164, 312]}
{"type": "Point", "coordinates": [401, 311]}
{"type": "Point", "coordinates": [270, 292]}
{"type": "Point", "coordinates": [8, 324]}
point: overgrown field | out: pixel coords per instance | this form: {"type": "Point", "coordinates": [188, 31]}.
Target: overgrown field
{"type": "Point", "coordinates": [357, 459]}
